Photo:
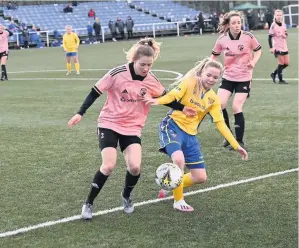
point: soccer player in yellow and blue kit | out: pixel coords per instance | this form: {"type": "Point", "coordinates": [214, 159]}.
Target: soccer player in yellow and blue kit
{"type": "Point", "coordinates": [71, 43]}
{"type": "Point", "coordinates": [177, 132]}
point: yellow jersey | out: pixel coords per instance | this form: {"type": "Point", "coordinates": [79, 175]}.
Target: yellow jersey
{"type": "Point", "coordinates": [206, 103]}
{"type": "Point", "coordinates": [71, 42]}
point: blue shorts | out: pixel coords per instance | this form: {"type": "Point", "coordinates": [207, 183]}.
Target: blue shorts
{"type": "Point", "coordinates": [71, 54]}
{"type": "Point", "coordinates": [173, 138]}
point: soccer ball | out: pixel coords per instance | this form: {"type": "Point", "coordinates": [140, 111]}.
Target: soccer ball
{"type": "Point", "coordinates": [168, 176]}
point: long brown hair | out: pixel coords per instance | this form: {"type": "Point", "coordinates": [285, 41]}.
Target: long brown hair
{"type": "Point", "coordinates": [144, 47]}
{"type": "Point", "coordinates": [223, 26]}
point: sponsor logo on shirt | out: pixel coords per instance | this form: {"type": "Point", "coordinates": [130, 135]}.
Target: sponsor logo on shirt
{"type": "Point", "coordinates": [198, 104]}
{"type": "Point", "coordinates": [123, 99]}
{"type": "Point", "coordinates": [143, 91]}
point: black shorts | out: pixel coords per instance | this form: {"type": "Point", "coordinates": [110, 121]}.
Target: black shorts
{"type": "Point", "coordinates": [235, 87]}
{"type": "Point", "coordinates": [279, 53]}
{"type": "Point", "coordinates": [4, 54]}
{"type": "Point", "coordinates": [110, 138]}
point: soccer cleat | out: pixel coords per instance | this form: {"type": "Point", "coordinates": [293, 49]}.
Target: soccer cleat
{"type": "Point", "coordinates": [4, 78]}
{"type": "Point", "coordinates": [163, 193]}
{"type": "Point", "coordinates": [225, 143]}
{"type": "Point", "coordinates": [273, 76]}
{"type": "Point", "coordinates": [68, 73]}
{"type": "Point", "coordinates": [128, 204]}
{"type": "Point", "coordinates": [86, 213]}
{"type": "Point", "coordinates": [78, 73]}
{"type": "Point", "coordinates": [283, 82]}
{"type": "Point", "coordinates": [182, 206]}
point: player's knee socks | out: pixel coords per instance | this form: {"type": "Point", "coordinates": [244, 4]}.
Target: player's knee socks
{"type": "Point", "coordinates": [130, 182]}
{"type": "Point", "coordinates": [226, 118]}
{"type": "Point", "coordinates": [178, 193]}
{"type": "Point", "coordinates": [77, 66]}
{"type": "Point", "coordinates": [69, 66]}
{"type": "Point", "coordinates": [275, 72]}
{"type": "Point", "coordinates": [187, 180]}
{"type": "Point", "coordinates": [279, 71]}
{"type": "Point", "coordinates": [3, 71]}
{"type": "Point", "coordinates": [285, 66]}
{"type": "Point", "coordinates": [96, 186]}
{"type": "Point", "coordinates": [239, 126]}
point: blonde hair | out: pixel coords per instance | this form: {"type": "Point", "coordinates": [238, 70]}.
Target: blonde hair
{"type": "Point", "coordinates": [277, 11]}
{"type": "Point", "coordinates": [197, 70]}
{"type": "Point", "coordinates": [223, 26]}
{"type": "Point", "coordinates": [144, 47]}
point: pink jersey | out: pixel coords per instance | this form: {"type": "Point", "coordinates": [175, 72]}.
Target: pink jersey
{"type": "Point", "coordinates": [279, 34]}
{"type": "Point", "coordinates": [4, 41]}
{"type": "Point", "coordinates": [124, 112]}
{"type": "Point", "coordinates": [237, 54]}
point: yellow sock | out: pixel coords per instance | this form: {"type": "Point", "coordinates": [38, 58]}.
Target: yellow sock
{"type": "Point", "coordinates": [178, 193]}
{"type": "Point", "coordinates": [77, 66]}
{"type": "Point", "coordinates": [187, 180]}
{"type": "Point", "coordinates": [69, 67]}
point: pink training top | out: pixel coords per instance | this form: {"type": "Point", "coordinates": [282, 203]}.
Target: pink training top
{"type": "Point", "coordinates": [237, 54]}
{"type": "Point", "coordinates": [124, 112]}
{"type": "Point", "coordinates": [279, 34]}
{"type": "Point", "coordinates": [4, 41]}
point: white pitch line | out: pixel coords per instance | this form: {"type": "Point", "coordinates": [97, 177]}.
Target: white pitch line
{"type": "Point", "coordinates": [112, 210]}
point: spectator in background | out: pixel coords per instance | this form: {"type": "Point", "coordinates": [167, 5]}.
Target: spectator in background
{"type": "Point", "coordinates": [250, 19]}
{"type": "Point", "coordinates": [91, 13]}
{"type": "Point", "coordinates": [97, 29]}
{"type": "Point", "coordinates": [130, 25]}
{"type": "Point", "coordinates": [68, 9]}
{"type": "Point", "coordinates": [215, 22]}
{"type": "Point", "coordinates": [11, 6]}
{"type": "Point", "coordinates": [200, 23]}
{"type": "Point", "coordinates": [112, 27]}
{"type": "Point", "coordinates": [121, 27]}
{"type": "Point", "coordinates": [89, 32]}
{"type": "Point", "coordinates": [269, 18]}
{"type": "Point", "coordinates": [12, 26]}
{"type": "Point", "coordinates": [25, 33]}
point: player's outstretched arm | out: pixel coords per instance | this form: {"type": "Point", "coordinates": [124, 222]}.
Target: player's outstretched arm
{"type": "Point", "coordinates": [89, 100]}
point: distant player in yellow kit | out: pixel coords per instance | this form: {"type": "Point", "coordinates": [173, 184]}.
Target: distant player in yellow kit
{"type": "Point", "coordinates": [177, 132]}
{"type": "Point", "coordinates": [71, 43]}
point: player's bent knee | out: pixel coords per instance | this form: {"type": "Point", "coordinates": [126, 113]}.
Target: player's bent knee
{"type": "Point", "coordinates": [107, 168]}
{"type": "Point", "coordinates": [200, 179]}
{"type": "Point", "coordinates": [134, 169]}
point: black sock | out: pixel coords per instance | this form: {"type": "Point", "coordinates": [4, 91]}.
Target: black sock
{"type": "Point", "coordinates": [96, 186]}
{"type": "Point", "coordinates": [3, 71]}
{"type": "Point", "coordinates": [226, 119]}
{"type": "Point", "coordinates": [130, 182]}
{"type": "Point", "coordinates": [279, 72]}
{"type": "Point", "coordinates": [239, 126]}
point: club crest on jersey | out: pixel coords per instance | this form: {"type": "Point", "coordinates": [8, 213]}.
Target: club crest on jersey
{"type": "Point", "coordinates": [211, 101]}
{"type": "Point", "coordinates": [143, 91]}
{"type": "Point", "coordinates": [241, 47]}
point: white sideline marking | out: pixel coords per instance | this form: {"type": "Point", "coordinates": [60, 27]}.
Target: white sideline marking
{"type": "Point", "coordinates": [107, 211]}
{"type": "Point", "coordinates": [179, 75]}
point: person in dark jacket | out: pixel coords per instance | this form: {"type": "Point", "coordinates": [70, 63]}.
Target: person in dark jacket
{"type": "Point", "coordinates": [121, 27]}
{"type": "Point", "coordinates": [269, 18]}
{"type": "Point", "coordinates": [25, 33]}
{"type": "Point", "coordinates": [97, 29]}
{"type": "Point", "coordinates": [68, 9]}
{"type": "Point", "coordinates": [130, 25]}
{"type": "Point", "coordinates": [200, 23]}
{"type": "Point", "coordinates": [112, 27]}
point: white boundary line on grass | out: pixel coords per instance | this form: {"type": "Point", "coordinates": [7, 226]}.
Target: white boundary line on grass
{"type": "Point", "coordinates": [116, 209]}
{"type": "Point", "coordinates": [179, 75]}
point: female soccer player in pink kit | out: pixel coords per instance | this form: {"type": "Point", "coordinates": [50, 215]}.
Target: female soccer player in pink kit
{"type": "Point", "coordinates": [4, 34]}
{"type": "Point", "coordinates": [237, 46]}
{"type": "Point", "coordinates": [123, 116]}
{"type": "Point", "coordinates": [278, 32]}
